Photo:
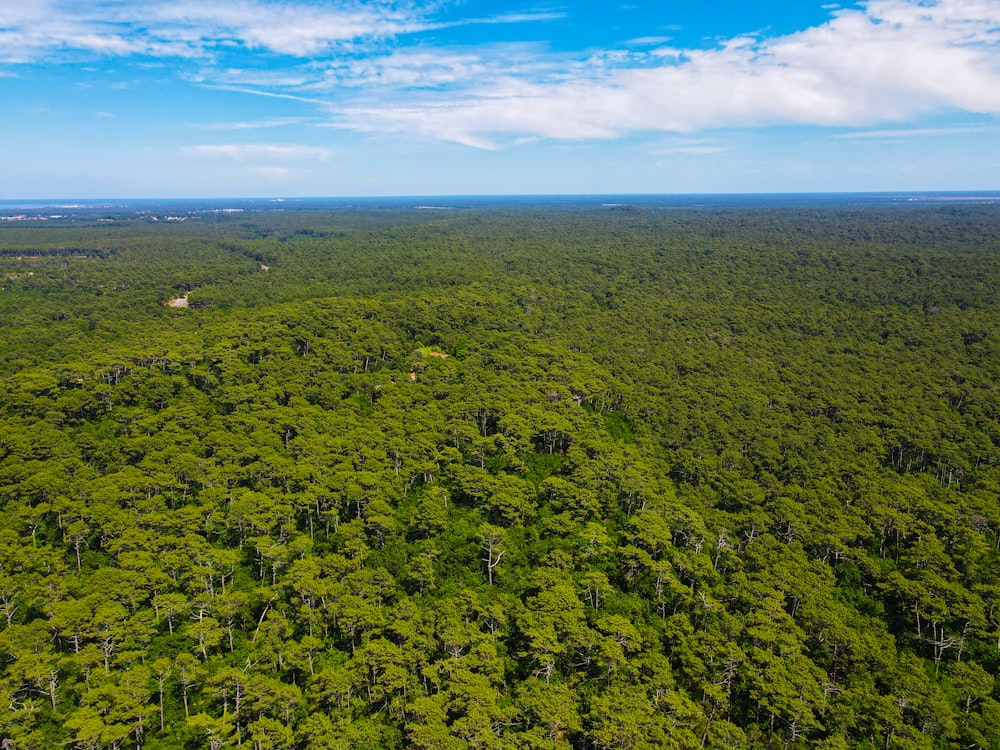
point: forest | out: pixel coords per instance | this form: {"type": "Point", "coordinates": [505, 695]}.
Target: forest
{"type": "Point", "coordinates": [501, 477]}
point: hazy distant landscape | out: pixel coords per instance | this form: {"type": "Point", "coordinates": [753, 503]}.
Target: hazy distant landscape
{"type": "Point", "coordinates": [135, 208]}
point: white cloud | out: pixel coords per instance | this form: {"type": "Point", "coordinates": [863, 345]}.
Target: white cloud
{"type": "Point", "coordinates": [880, 63]}
{"type": "Point", "coordinates": [34, 29]}
{"type": "Point", "coordinates": [31, 29]}
{"type": "Point", "coordinates": [886, 62]}
{"type": "Point", "coordinates": [294, 29]}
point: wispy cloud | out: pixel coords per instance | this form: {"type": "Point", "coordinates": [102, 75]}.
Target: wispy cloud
{"type": "Point", "coordinates": [259, 152]}
{"type": "Point", "coordinates": [33, 28]}
{"type": "Point", "coordinates": [269, 94]}
{"type": "Point", "coordinates": [688, 147]}
{"type": "Point", "coordinates": [908, 133]}
{"type": "Point", "coordinates": [645, 41]}
{"type": "Point", "coordinates": [284, 79]}
{"type": "Point", "coordinates": [421, 69]}
{"type": "Point", "coordinates": [298, 29]}
{"type": "Point", "coordinates": [528, 17]}
{"type": "Point", "coordinates": [277, 122]}
{"type": "Point", "coordinates": [30, 29]}
{"type": "Point", "coordinates": [275, 162]}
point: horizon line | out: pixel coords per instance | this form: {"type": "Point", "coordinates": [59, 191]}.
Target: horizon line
{"type": "Point", "coordinates": [416, 196]}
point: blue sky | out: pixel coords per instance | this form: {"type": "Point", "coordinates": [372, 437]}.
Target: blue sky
{"type": "Point", "coordinates": [243, 98]}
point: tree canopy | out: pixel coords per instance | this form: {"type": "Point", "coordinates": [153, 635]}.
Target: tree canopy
{"type": "Point", "coordinates": [602, 478]}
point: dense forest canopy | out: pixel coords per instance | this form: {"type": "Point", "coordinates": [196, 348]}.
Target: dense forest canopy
{"type": "Point", "coordinates": [614, 477]}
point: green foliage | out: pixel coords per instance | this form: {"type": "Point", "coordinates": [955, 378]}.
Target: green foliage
{"type": "Point", "coordinates": [685, 479]}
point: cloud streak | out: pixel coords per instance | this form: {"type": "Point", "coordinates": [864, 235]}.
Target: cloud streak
{"type": "Point", "coordinates": [267, 154]}
{"type": "Point", "coordinates": [896, 133]}
{"type": "Point", "coordinates": [276, 122]}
